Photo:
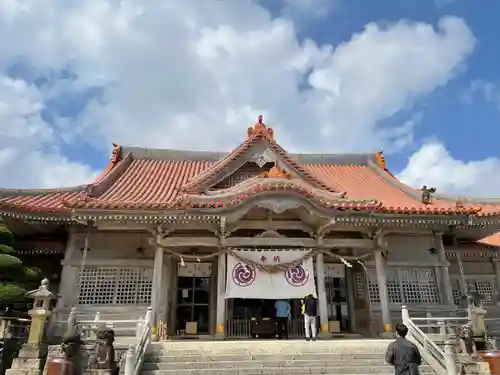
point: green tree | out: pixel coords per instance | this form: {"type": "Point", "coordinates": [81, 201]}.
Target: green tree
{"type": "Point", "coordinates": [15, 278]}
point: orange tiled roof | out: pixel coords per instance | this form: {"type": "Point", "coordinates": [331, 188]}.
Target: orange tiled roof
{"type": "Point", "coordinates": [493, 240]}
{"type": "Point", "coordinates": [138, 178]}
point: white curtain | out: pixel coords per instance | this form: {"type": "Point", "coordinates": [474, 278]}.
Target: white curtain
{"type": "Point", "coordinates": [245, 281]}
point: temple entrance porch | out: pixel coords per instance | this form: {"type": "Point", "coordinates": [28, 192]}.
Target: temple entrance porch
{"type": "Point", "coordinates": [256, 318]}
{"type": "Point", "coordinates": [198, 310]}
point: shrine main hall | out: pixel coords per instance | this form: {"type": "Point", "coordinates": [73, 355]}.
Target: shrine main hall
{"type": "Point", "coordinates": [211, 240]}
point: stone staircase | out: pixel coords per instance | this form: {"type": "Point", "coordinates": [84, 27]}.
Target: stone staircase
{"type": "Point", "coordinates": [348, 357]}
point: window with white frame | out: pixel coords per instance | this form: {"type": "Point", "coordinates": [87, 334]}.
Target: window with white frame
{"type": "Point", "coordinates": [406, 285]}
{"type": "Point", "coordinates": [114, 286]}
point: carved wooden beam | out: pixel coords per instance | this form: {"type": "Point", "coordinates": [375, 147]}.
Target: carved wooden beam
{"type": "Point", "coordinates": [264, 242]}
{"type": "Point", "coordinates": [190, 242]}
{"type": "Point", "coordinates": [131, 227]}
{"type": "Point", "coordinates": [271, 225]}
{"type": "Point", "coordinates": [348, 242]}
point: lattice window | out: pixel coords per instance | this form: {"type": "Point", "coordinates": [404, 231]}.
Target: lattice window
{"type": "Point", "coordinates": [359, 286]}
{"type": "Point", "coordinates": [406, 285]}
{"type": "Point", "coordinates": [373, 290]}
{"type": "Point", "coordinates": [456, 292]}
{"type": "Point", "coordinates": [484, 288]}
{"type": "Point", "coordinates": [114, 285]}
{"type": "Point", "coordinates": [393, 285]}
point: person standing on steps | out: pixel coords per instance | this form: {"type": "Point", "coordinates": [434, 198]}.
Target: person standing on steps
{"type": "Point", "coordinates": [283, 312]}
{"type": "Point", "coordinates": [403, 354]}
{"type": "Point", "coordinates": [309, 310]}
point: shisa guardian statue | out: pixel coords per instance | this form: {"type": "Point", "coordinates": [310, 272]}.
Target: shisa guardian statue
{"type": "Point", "coordinates": [473, 333]}
{"type": "Point", "coordinates": [103, 357]}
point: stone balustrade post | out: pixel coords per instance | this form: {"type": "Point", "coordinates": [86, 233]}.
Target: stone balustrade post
{"type": "Point", "coordinates": [405, 315]}
{"type": "Point", "coordinates": [450, 357]}
{"type": "Point", "coordinates": [3, 328]}
{"type": "Point", "coordinates": [442, 328]}
{"type": "Point", "coordinates": [71, 325]}
{"type": "Point", "coordinates": [139, 326]}
{"type": "Point", "coordinates": [130, 361]}
{"type": "Point", "coordinates": [149, 315]}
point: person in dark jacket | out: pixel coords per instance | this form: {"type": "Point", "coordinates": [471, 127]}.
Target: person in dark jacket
{"type": "Point", "coordinates": [309, 310]}
{"type": "Point", "coordinates": [403, 354]}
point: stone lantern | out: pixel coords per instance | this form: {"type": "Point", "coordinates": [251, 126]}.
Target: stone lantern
{"type": "Point", "coordinates": [33, 353]}
{"type": "Point", "coordinates": [40, 312]}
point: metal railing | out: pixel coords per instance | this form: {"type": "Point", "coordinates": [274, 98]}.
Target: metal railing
{"type": "Point", "coordinates": [238, 328]}
{"type": "Point", "coordinates": [135, 356]}
{"type": "Point", "coordinates": [241, 328]}
{"type": "Point", "coordinates": [442, 361]}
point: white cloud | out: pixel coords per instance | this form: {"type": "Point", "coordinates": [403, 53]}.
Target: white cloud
{"type": "Point", "coordinates": [433, 165]}
{"type": "Point", "coordinates": [194, 74]}
{"type": "Point", "coordinates": [490, 91]}
{"type": "Point", "coordinates": [26, 155]}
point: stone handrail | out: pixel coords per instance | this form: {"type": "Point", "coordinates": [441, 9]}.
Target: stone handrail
{"type": "Point", "coordinates": [135, 356]}
{"type": "Point", "coordinates": [443, 362]}
{"type": "Point", "coordinates": [89, 327]}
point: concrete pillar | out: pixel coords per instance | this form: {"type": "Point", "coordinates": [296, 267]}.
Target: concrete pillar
{"type": "Point", "coordinates": [165, 285]}
{"type": "Point", "coordinates": [69, 275]}
{"type": "Point", "coordinates": [382, 287]}
{"type": "Point", "coordinates": [157, 282]}
{"type": "Point", "coordinates": [496, 264]}
{"type": "Point", "coordinates": [220, 320]}
{"type": "Point", "coordinates": [323, 308]}
{"type": "Point", "coordinates": [463, 280]}
{"type": "Point", "coordinates": [172, 296]}
{"type": "Point", "coordinates": [447, 291]}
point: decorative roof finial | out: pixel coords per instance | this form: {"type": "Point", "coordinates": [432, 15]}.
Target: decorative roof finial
{"type": "Point", "coordinates": [260, 128]}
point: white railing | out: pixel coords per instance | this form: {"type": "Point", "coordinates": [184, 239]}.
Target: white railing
{"type": "Point", "coordinates": [443, 362]}
{"type": "Point", "coordinates": [89, 327]}
{"type": "Point", "coordinates": [135, 356]}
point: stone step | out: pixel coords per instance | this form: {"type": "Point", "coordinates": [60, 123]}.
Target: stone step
{"type": "Point", "coordinates": [346, 362]}
{"type": "Point", "coordinates": [344, 370]}
{"type": "Point", "coordinates": [259, 347]}
{"type": "Point", "coordinates": [270, 357]}
{"type": "Point", "coordinates": [264, 357]}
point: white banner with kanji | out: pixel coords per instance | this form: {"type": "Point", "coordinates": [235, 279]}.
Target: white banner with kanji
{"type": "Point", "coordinates": [245, 280]}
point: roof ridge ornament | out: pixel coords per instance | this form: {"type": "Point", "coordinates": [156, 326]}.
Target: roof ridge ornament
{"type": "Point", "coordinates": [260, 128]}
{"type": "Point", "coordinates": [381, 160]}
{"type": "Point", "coordinates": [427, 194]}
{"type": "Point", "coordinates": [276, 172]}
{"type": "Point", "coordinates": [115, 154]}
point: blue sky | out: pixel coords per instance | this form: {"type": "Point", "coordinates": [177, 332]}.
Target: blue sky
{"type": "Point", "coordinates": [457, 114]}
{"type": "Point", "coordinates": [416, 78]}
